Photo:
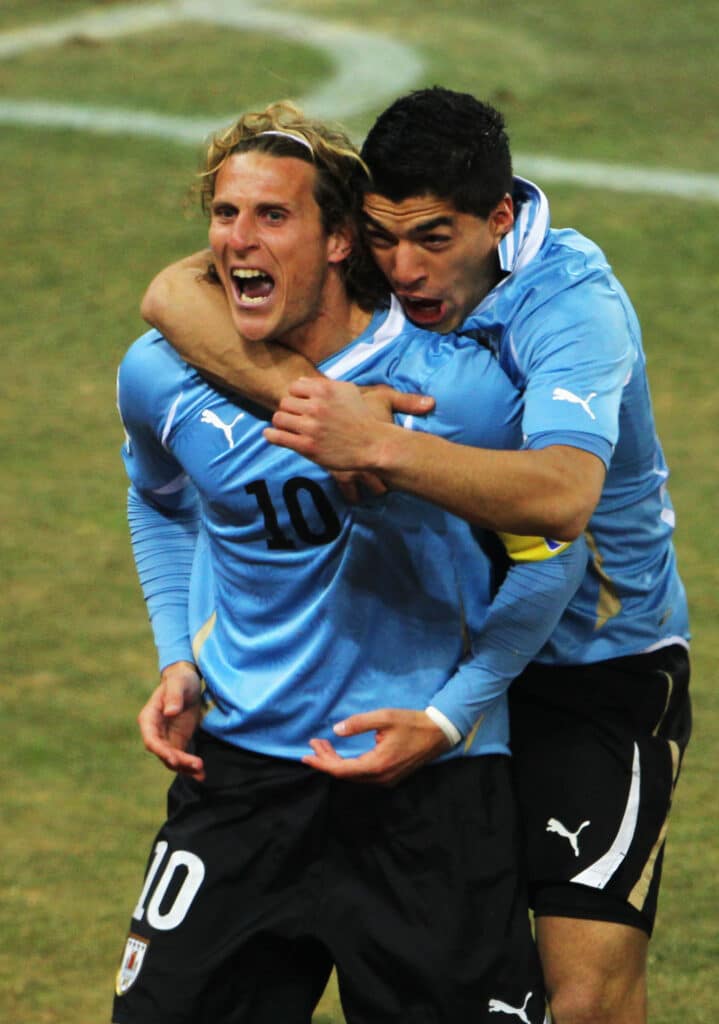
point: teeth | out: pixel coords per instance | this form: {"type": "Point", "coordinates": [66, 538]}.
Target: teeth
{"type": "Point", "coordinates": [252, 280]}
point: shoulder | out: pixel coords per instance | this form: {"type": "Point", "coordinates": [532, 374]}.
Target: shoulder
{"type": "Point", "coordinates": [569, 304]}
{"type": "Point", "coordinates": [151, 363]}
{"type": "Point", "coordinates": [150, 375]}
{"type": "Point", "coordinates": [151, 353]}
{"type": "Point", "coordinates": [575, 276]}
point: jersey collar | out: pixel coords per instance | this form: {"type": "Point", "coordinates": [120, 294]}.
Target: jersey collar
{"type": "Point", "coordinates": [531, 224]}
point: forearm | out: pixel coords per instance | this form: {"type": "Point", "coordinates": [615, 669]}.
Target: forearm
{"type": "Point", "coordinates": [521, 619]}
{"type": "Point", "coordinates": [550, 492]}
{"type": "Point", "coordinates": [191, 312]}
{"type": "Point", "coordinates": [164, 549]}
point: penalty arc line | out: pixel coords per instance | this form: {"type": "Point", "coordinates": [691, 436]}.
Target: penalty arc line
{"type": "Point", "coordinates": [369, 70]}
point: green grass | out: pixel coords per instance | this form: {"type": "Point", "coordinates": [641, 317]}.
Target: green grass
{"type": "Point", "coordinates": [243, 69]}
{"type": "Point", "coordinates": [579, 80]}
{"type": "Point", "coordinates": [86, 222]}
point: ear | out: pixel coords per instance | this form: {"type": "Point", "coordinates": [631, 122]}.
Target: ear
{"type": "Point", "coordinates": [340, 244]}
{"type": "Point", "coordinates": [501, 218]}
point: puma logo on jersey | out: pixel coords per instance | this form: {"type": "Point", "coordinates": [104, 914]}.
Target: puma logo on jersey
{"type": "Point", "coordinates": [556, 826]}
{"type": "Point", "coordinates": [562, 395]}
{"type": "Point", "coordinates": [497, 1006]}
{"type": "Point", "coordinates": [208, 416]}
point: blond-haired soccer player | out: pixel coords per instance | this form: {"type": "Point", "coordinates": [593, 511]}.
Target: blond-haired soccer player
{"type": "Point", "coordinates": [302, 639]}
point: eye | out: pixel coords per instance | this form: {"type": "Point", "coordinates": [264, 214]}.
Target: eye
{"type": "Point", "coordinates": [223, 211]}
{"type": "Point", "coordinates": [435, 241]}
{"type": "Point", "coordinates": [377, 239]}
{"type": "Point", "coordinates": [275, 216]}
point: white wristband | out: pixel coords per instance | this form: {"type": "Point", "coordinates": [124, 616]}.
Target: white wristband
{"type": "Point", "coordinates": [449, 729]}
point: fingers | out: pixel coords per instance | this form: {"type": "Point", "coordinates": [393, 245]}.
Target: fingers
{"type": "Point", "coordinates": [154, 737]}
{"type": "Point", "coordinates": [307, 387]}
{"type": "Point", "coordinates": [288, 439]}
{"type": "Point", "coordinates": [151, 716]}
{"type": "Point", "coordinates": [349, 485]}
{"type": "Point", "coordinates": [385, 401]}
{"type": "Point", "coordinates": [355, 485]}
{"type": "Point", "coordinates": [292, 427]}
{"type": "Point", "coordinates": [170, 717]}
{"type": "Point", "coordinates": [325, 758]}
{"type": "Point", "coordinates": [178, 761]}
{"type": "Point", "coordinates": [292, 422]}
{"type": "Point", "coordinates": [293, 405]}
{"type": "Point", "coordinates": [413, 405]}
{"type": "Point", "coordinates": [365, 722]}
{"type": "Point", "coordinates": [404, 741]}
{"type": "Point", "coordinates": [374, 484]}
{"type": "Point", "coordinates": [325, 752]}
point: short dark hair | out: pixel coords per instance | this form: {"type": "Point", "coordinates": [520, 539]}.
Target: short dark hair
{"type": "Point", "coordinates": [440, 142]}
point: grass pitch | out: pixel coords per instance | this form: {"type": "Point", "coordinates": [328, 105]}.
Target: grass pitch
{"type": "Point", "coordinates": [87, 220]}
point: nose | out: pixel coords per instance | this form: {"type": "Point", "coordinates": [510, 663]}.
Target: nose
{"type": "Point", "coordinates": [243, 236]}
{"type": "Point", "coordinates": [407, 267]}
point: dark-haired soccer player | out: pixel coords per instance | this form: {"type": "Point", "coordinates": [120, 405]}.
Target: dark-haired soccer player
{"type": "Point", "coordinates": [374, 625]}
{"type": "Point", "coordinates": [601, 722]}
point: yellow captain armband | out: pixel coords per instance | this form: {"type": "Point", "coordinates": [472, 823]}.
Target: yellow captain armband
{"type": "Point", "coordinates": [531, 549]}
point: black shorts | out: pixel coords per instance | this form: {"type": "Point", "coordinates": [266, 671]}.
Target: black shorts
{"type": "Point", "coordinates": [269, 873]}
{"type": "Point", "coordinates": [597, 751]}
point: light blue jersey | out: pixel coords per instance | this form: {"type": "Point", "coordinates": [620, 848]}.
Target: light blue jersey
{"type": "Point", "coordinates": [301, 609]}
{"type": "Point", "coordinates": [567, 336]}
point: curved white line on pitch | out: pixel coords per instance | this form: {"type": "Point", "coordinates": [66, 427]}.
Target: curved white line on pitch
{"type": "Point", "coordinates": [369, 70]}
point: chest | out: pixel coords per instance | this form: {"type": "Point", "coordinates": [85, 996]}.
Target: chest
{"type": "Point", "coordinates": [252, 490]}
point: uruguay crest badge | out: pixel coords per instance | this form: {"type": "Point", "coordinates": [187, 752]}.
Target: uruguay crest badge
{"type": "Point", "coordinates": [135, 949]}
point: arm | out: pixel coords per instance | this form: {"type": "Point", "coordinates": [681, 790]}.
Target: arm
{"type": "Point", "coordinates": [191, 312]}
{"type": "Point", "coordinates": [550, 491]}
{"type": "Point", "coordinates": [522, 617]}
{"type": "Point", "coordinates": [163, 543]}
{"type": "Point", "coordinates": [476, 405]}
{"type": "Point", "coordinates": [163, 517]}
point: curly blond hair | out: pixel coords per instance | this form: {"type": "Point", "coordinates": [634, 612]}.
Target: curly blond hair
{"type": "Point", "coordinates": [283, 130]}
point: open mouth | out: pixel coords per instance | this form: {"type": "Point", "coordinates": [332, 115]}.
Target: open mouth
{"type": "Point", "coordinates": [423, 311]}
{"type": "Point", "coordinates": [252, 287]}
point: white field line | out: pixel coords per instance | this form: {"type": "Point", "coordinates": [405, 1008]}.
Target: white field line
{"type": "Point", "coordinates": [369, 70]}
{"type": "Point", "coordinates": [620, 177]}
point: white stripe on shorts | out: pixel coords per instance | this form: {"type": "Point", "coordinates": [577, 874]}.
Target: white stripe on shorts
{"type": "Point", "coordinates": [598, 874]}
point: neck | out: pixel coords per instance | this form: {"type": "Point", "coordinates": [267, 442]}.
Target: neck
{"type": "Point", "coordinates": [494, 275]}
{"type": "Point", "coordinates": [336, 323]}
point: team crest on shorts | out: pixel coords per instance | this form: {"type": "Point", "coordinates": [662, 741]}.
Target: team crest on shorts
{"type": "Point", "coordinates": [135, 949]}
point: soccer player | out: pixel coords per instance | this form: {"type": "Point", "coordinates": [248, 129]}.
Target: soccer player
{"type": "Point", "coordinates": [294, 628]}
{"type": "Point", "coordinates": [599, 725]}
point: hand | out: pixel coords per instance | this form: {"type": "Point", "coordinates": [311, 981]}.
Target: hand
{"type": "Point", "coordinates": [170, 717]}
{"type": "Point", "coordinates": [404, 741]}
{"type": "Point", "coordinates": [354, 485]}
{"type": "Point", "coordinates": [336, 425]}
{"type": "Point", "coordinates": [383, 402]}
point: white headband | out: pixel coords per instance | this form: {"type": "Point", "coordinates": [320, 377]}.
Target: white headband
{"type": "Point", "coordinates": [288, 135]}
